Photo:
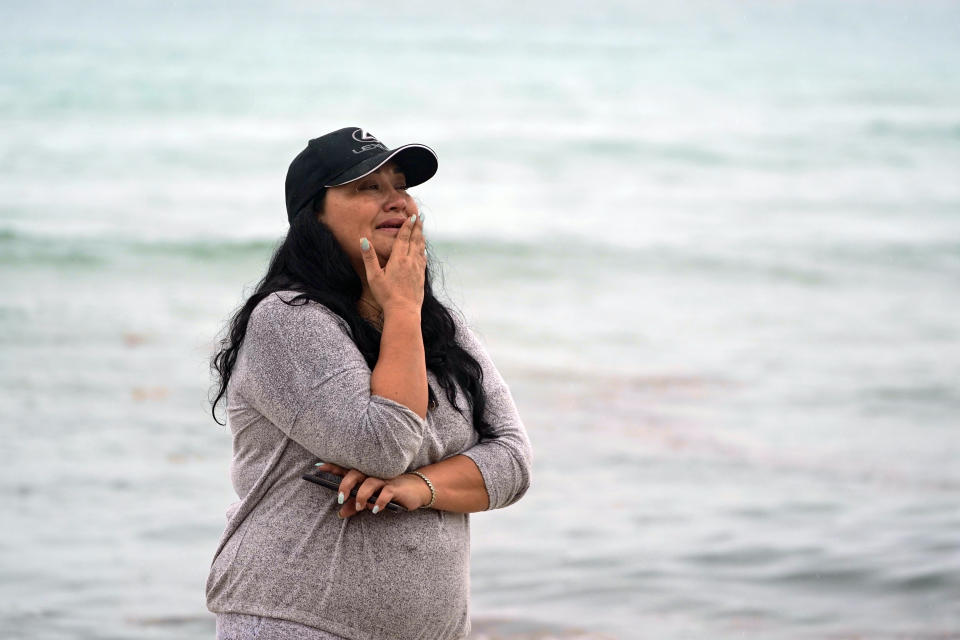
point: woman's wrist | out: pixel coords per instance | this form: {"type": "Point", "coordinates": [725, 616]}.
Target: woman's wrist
{"type": "Point", "coordinates": [430, 492]}
{"type": "Point", "coordinates": [402, 310]}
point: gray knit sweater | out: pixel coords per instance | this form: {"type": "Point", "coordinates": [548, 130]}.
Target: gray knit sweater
{"type": "Point", "coordinates": [300, 393]}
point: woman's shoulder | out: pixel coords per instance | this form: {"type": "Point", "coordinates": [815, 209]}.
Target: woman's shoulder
{"type": "Point", "coordinates": [283, 310]}
{"type": "Point", "coordinates": [286, 301]}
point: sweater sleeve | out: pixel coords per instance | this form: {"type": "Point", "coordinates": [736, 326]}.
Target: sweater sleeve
{"type": "Point", "coordinates": [303, 372]}
{"type": "Point", "coordinates": [506, 459]}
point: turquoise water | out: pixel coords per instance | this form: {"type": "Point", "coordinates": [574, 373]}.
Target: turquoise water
{"type": "Point", "coordinates": [713, 247]}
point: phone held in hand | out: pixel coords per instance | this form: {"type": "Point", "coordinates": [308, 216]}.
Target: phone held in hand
{"type": "Point", "coordinates": [332, 481]}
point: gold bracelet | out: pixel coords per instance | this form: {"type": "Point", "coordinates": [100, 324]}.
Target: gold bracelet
{"type": "Point", "coordinates": [433, 492]}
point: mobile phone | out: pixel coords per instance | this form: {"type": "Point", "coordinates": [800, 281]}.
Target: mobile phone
{"type": "Point", "coordinates": [332, 481]}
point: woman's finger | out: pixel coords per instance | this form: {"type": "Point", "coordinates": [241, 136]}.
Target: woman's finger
{"type": "Point", "coordinates": [367, 489]}
{"type": "Point", "coordinates": [401, 246]}
{"type": "Point", "coordinates": [329, 467]}
{"type": "Point", "coordinates": [386, 495]}
{"type": "Point", "coordinates": [352, 479]}
{"type": "Point", "coordinates": [371, 263]}
{"type": "Point", "coordinates": [417, 242]}
{"type": "Point", "coordinates": [347, 510]}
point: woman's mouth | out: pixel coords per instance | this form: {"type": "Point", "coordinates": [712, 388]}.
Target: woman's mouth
{"type": "Point", "coordinates": [391, 226]}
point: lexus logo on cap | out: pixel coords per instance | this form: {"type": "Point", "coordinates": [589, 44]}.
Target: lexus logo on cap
{"type": "Point", "coordinates": [362, 136]}
{"type": "Point", "coordinates": [369, 141]}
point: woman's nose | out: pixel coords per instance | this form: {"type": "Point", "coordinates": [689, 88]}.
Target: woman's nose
{"type": "Point", "coordinates": [395, 200]}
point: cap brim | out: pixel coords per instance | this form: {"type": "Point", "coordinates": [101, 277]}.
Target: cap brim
{"type": "Point", "coordinates": [417, 161]}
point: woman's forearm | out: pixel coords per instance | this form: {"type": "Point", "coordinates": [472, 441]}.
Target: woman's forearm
{"type": "Point", "coordinates": [401, 370]}
{"type": "Point", "coordinates": [458, 484]}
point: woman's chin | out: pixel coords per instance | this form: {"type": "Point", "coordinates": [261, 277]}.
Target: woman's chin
{"type": "Point", "coordinates": [383, 245]}
{"type": "Point", "coordinates": [383, 252]}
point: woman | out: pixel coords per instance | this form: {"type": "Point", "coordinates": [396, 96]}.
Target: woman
{"type": "Point", "coordinates": [344, 356]}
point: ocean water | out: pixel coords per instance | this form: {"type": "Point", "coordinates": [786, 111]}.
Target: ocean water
{"type": "Point", "coordinates": [714, 247]}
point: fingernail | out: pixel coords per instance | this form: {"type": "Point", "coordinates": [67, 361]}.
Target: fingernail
{"type": "Point", "coordinates": [375, 508]}
{"type": "Point", "coordinates": [339, 515]}
{"type": "Point", "coordinates": [320, 464]}
{"type": "Point", "coordinates": [421, 218]}
{"type": "Point", "coordinates": [359, 506]}
{"type": "Point", "coordinates": [364, 244]}
{"type": "Point", "coordinates": [413, 218]}
{"type": "Point", "coordinates": [340, 498]}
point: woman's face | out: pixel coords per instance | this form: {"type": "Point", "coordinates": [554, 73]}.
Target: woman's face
{"type": "Point", "coordinates": [372, 208]}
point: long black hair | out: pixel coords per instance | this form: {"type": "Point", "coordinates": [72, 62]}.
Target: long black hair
{"type": "Point", "coordinates": [311, 262]}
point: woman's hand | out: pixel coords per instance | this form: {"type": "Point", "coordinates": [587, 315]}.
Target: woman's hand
{"type": "Point", "coordinates": [400, 282]}
{"type": "Point", "coordinates": [407, 490]}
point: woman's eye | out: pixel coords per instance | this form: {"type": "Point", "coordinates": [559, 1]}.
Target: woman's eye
{"type": "Point", "coordinates": [371, 186]}
{"type": "Point", "coordinates": [401, 187]}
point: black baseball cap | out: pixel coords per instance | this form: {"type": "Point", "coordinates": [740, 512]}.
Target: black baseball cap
{"type": "Point", "coordinates": [346, 155]}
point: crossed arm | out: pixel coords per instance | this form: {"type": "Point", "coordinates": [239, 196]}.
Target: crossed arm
{"type": "Point", "coordinates": [303, 372]}
{"type": "Point", "coordinates": [457, 483]}
{"type": "Point", "coordinates": [491, 474]}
